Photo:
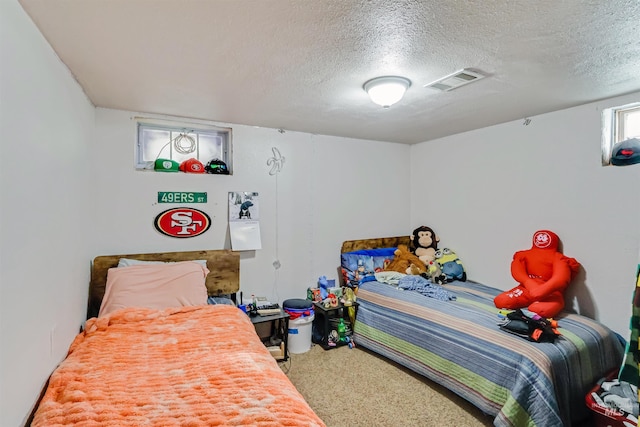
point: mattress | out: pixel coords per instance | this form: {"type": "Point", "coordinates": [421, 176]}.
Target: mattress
{"type": "Point", "coordinates": [458, 344]}
{"type": "Point", "coordinates": [195, 366]}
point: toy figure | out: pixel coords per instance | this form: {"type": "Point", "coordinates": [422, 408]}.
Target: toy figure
{"type": "Point", "coordinates": [543, 274]}
{"type": "Point", "coordinates": [434, 274]}
{"type": "Point", "coordinates": [451, 265]}
{"type": "Point", "coordinates": [424, 244]}
{"type": "Point", "coordinates": [323, 285]}
{"type": "Point", "coordinates": [360, 272]}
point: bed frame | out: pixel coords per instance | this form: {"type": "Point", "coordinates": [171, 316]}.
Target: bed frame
{"type": "Point", "coordinates": [223, 277]}
{"type": "Point", "coordinates": [170, 364]}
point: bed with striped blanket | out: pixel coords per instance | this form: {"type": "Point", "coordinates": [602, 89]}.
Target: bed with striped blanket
{"type": "Point", "coordinates": [459, 345]}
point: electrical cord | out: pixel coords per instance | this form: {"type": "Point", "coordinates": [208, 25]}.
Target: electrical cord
{"type": "Point", "coordinates": [276, 162]}
{"type": "Point", "coordinates": [286, 365]}
{"type": "Point", "coordinates": [183, 144]}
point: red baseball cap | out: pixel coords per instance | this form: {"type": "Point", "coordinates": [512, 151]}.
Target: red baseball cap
{"type": "Point", "coordinates": [192, 166]}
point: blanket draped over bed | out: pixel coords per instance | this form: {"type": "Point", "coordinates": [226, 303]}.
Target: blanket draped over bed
{"type": "Point", "coordinates": [188, 366]}
{"type": "Point", "coordinates": [459, 345]}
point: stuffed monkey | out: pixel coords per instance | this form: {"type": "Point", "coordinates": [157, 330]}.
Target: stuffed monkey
{"type": "Point", "coordinates": [543, 274]}
{"type": "Point", "coordinates": [424, 244]}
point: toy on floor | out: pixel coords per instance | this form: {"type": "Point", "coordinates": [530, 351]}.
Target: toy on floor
{"type": "Point", "coordinates": [543, 274]}
{"type": "Point", "coordinates": [333, 338]}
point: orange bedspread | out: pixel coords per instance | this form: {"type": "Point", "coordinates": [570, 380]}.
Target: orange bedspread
{"type": "Point", "coordinates": [189, 366]}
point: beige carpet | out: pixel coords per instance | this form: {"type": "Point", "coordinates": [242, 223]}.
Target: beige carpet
{"type": "Point", "coordinates": [354, 387]}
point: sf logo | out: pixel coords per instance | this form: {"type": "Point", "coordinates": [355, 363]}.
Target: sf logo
{"type": "Point", "coordinates": [185, 222]}
{"type": "Point", "coordinates": [182, 222]}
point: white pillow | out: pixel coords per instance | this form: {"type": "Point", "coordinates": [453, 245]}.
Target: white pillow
{"type": "Point", "coordinates": [128, 262]}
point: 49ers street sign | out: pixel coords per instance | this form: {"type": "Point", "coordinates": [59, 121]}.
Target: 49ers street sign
{"type": "Point", "coordinates": [182, 222]}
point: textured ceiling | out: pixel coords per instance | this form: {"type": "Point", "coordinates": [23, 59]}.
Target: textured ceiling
{"type": "Point", "coordinates": [300, 64]}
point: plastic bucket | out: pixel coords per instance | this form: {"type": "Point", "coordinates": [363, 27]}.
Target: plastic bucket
{"type": "Point", "coordinates": [300, 334]}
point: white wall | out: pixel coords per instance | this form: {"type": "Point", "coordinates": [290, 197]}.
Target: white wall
{"type": "Point", "coordinates": [44, 221]}
{"type": "Point", "coordinates": [329, 190]}
{"type": "Point", "coordinates": [487, 191]}
{"type": "Point", "coordinates": [82, 198]}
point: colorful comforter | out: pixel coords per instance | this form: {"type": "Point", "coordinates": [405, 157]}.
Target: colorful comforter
{"type": "Point", "coordinates": [189, 366]}
{"type": "Point", "coordinates": [459, 345]}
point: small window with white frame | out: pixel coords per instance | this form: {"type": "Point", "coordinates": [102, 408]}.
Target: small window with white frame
{"type": "Point", "coordinates": [621, 135]}
{"type": "Point", "coordinates": [173, 145]}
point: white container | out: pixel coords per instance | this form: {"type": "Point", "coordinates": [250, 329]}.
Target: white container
{"type": "Point", "coordinates": [300, 334]}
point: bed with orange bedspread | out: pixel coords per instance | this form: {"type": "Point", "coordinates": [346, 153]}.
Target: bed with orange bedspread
{"type": "Point", "coordinates": [180, 366]}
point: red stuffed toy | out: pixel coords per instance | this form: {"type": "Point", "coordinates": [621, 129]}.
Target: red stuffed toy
{"type": "Point", "coordinates": [543, 274]}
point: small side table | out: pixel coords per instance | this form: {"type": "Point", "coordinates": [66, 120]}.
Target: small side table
{"type": "Point", "coordinates": [279, 329]}
{"type": "Point", "coordinates": [326, 317]}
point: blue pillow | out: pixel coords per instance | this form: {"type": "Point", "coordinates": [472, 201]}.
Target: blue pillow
{"type": "Point", "coordinates": [375, 252]}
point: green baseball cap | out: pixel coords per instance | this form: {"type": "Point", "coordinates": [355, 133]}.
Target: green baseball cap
{"type": "Point", "coordinates": [166, 165]}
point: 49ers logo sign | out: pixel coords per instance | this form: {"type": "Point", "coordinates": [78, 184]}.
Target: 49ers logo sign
{"type": "Point", "coordinates": [182, 222]}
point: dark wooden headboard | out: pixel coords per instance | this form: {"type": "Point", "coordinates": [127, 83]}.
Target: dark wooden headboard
{"type": "Point", "coordinates": [223, 277]}
{"type": "Point", "coordinates": [380, 242]}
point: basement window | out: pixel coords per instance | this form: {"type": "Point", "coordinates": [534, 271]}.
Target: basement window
{"type": "Point", "coordinates": [619, 124]}
{"type": "Point", "coordinates": [170, 145]}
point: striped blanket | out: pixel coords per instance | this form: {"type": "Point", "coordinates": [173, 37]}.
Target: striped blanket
{"type": "Point", "coordinates": [459, 345]}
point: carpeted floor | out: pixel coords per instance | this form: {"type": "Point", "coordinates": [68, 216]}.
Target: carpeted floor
{"type": "Point", "coordinates": [354, 387]}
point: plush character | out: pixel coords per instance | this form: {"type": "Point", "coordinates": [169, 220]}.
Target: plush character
{"type": "Point", "coordinates": [543, 274]}
{"type": "Point", "coordinates": [405, 262]}
{"type": "Point", "coordinates": [323, 286]}
{"type": "Point", "coordinates": [451, 265]}
{"type": "Point", "coordinates": [424, 243]}
{"type": "Point", "coordinates": [434, 273]}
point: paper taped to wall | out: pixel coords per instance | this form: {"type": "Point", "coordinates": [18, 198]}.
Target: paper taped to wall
{"type": "Point", "coordinates": [244, 221]}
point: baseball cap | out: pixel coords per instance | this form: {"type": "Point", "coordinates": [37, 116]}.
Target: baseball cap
{"type": "Point", "coordinates": [217, 166]}
{"type": "Point", "coordinates": [192, 166]}
{"type": "Point", "coordinates": [166, 165]}
{"type": "Point", "coordinates": [626, 152]}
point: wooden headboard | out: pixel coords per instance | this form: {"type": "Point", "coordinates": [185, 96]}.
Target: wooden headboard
{"type": "Point", "coordinates": [380, 242]}
{"type": "Point", "coordinates": [223, 277]}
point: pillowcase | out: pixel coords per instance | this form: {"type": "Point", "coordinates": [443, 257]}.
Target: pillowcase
{"type": "Point", "coordinates": [128, 262]}
{"type": "Point", "coordinates": [156, 286]}
{"type": "Point", "coordinates": [360, 266]}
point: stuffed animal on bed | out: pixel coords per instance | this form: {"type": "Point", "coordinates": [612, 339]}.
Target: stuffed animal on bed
{"type": "Point", "coordinates": [406, 262]}
{"type": "Point", "coordinates": [451, 265]}
{"type": "Point", "coordinates": [434, 273]}
{"type": "Point", "coordinates": [543, 274]}
{"type": "Point", "coordinates": [424, 243]}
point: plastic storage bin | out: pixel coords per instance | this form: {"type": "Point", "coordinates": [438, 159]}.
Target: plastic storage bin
{"type": "Point", "coordinates": [301, 317]}
{"type": "Point", "coordinates": [300, 334]}
{"type": "Point", "coordinates": [604, 416]}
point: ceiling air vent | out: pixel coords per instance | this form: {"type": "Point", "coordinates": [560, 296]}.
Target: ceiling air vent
{"type": "Point", "coordinates": [457, 79]}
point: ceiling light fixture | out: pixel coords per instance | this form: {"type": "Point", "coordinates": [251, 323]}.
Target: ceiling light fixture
{"type": "Point", "coordinates": [387, 90]}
